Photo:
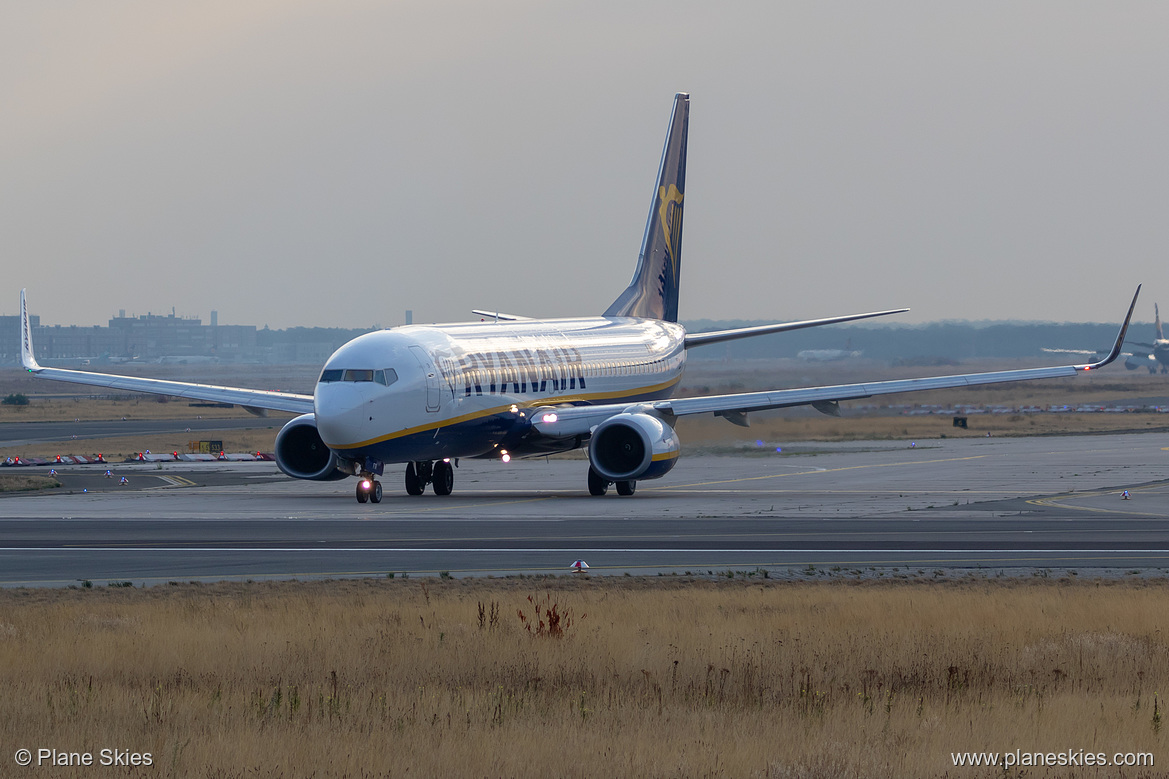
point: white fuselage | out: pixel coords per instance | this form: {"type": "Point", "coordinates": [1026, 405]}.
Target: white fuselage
{"type": "Point", "coordinates": [424, 392]}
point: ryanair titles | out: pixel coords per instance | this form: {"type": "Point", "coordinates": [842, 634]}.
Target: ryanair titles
{"type": "Point", "coordinates": [547, 369]}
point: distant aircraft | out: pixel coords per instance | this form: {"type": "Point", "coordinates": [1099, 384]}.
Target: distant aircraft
{"type": "Point", "coordinates": [829, 355]}
{"type": "Point", "coordinates": [1158, 351]}
{"type": "Point", "coordinates": [1159, 348]}
{"type": "Point", "coordinates": [429, 395]}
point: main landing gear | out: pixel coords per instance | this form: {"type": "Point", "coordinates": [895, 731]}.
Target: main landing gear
{"type": "Point", "coordinates": [441, 474]}
{"type": "Point", "coordinates": [599, 485]}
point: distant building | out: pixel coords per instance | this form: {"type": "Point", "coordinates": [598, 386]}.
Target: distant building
{"type": "Point", "coordinates": [10, 337]}
{"type": "Point", "coordinates": [172, 339]}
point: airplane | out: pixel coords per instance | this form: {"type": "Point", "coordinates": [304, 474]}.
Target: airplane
{"type": "Point", "coordinates": [427, 396]}
{"type": "Point", "coordinates": [1159, 347]}
{"type": "Point", "coordinates": [829, 355]}
{"type": "Point", "coordinates": [1158, 351]}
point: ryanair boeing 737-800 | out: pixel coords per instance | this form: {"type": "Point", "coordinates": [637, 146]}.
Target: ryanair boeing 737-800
{"type": "Point", "coordinates": [428, 395]}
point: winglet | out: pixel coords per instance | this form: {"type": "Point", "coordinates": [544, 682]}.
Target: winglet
{"type": "Point", "coordinates": [26, 356]}
{"type": "Point", "coordinates": [1119, 338]}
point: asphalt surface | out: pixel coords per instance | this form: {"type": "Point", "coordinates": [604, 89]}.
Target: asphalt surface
{"type": "Point", "coordinates": [1015, 506]}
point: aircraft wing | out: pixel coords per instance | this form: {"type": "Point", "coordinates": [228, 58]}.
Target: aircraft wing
{"type": "Point", "coordinates": [249, 398]}
{"type": "Point", "coordinates": [580, 420]}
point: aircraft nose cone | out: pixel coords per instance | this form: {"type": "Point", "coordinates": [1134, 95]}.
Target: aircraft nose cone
{"type": "Point", "coordinates": [341, 413]}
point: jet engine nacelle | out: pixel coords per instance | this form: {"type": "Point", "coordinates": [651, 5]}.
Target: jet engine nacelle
{"type": "Point", "coordinates": [633, 446]}
{"type": "Point", "coordinates": [302, 454]}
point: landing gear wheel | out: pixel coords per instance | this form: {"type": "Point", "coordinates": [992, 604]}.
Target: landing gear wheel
{"type": "Point", "coordinates": [598, 484]}
{"type": "Point", "coordinates": [443, 477]}
{"type": "Point", "coordinates": [414, 484]}
{"type": "Point", "coordinates": [375, 493]}
{"type": "Point", "coordinates": [362, 495]}
{"type": "Point", "coordinates": [626, 487]}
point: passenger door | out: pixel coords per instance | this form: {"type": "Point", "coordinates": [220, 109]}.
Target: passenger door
{"type": "Point", "coordinates": [433, 397]}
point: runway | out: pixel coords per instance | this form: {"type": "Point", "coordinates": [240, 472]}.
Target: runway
{"type": "Point", "coordinates": [1017, 505]}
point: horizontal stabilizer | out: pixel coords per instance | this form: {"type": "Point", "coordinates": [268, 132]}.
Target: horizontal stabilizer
{"type": "Point", "coordinates": [718, 336]}
{"type": "Point", "coordinates": [499, 315]}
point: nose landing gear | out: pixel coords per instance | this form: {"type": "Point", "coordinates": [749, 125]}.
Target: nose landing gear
{"type": "Point", "coordinates": [369, 489]}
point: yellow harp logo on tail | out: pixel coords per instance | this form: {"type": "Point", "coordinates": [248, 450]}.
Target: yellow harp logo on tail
{"type": "Point", "coordinates": [670, 227]}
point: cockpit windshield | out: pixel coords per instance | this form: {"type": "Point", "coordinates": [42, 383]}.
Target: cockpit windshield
{"type": "Point", "coordinates": [383, 376]}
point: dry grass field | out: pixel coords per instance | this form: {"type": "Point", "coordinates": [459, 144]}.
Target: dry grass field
{"type": "Point", "coordinates": [26, 482]}
{"type": "Point", "coordinates": [658, 677]}
{"type": "Point", "coordinates": [117, 449]}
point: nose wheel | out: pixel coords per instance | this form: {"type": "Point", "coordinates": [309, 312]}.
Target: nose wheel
{"type": "Point", "coordinates": [369, 490]}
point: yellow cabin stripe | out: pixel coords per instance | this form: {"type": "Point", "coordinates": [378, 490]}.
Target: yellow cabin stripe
{"type": "Point", "coordinates": [500, 409]}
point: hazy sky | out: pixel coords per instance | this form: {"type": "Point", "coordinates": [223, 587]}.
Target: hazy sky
{"type": "Point", "coordinates": [335, 163]}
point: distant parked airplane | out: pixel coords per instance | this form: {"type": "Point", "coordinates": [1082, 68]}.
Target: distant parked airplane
{"type": "Point", "coordinates": [1157, 352]}
{"type": "Point", "coordinates": [1159, 348]}
{"type": "Point", "coordinates": [829, 355]}
{"type": "Point", "coordinates": [428, 395]}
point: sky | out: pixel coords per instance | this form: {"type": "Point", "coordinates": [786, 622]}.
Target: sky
{"type": "Point", "coordinates": [333, 164]}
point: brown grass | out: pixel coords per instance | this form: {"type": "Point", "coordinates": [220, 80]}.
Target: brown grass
{"type": "Point", "coordinates": [21, 482]}
{"type": "Point", "coordinates": [647, 678]}
{"type": "Point", "coordinates": [87, 410]}
{"type": "Point", "coordinates": [707, 431]}
{"type": "Point", "coordinates": [116, 449]}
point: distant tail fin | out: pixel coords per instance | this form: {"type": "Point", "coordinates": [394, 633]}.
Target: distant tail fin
{"type": "Point", "coordinates": [1157, 312]}
{"type": "Point", "coordinates": [653, 292]}
{"type": "Point", "coordinates": [26, 356]}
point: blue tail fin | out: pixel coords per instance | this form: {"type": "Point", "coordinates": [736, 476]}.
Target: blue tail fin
{"type": "Point", "coordinates": [653, 292]}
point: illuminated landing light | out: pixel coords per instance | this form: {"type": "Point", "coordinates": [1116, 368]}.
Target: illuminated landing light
{"type": "Point", "coordinates": [505, 456]}
{"type": "Point", "coordinates": [366, 484]}
{"type": "Point", "coordinates": [515, 409]}
{"type": "Point", "coordinates": [446, 459]}
{"type": "Point", "coordinates": [550, 417]}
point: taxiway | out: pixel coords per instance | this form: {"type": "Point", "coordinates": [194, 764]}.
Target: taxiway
{"type": "Point", "coordinates": [994, 504]}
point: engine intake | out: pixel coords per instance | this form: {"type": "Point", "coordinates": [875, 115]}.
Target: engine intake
{"type": "Point", "coordinates": [302, 454]}
{"type": "Point", "coordinates": [633, 446]}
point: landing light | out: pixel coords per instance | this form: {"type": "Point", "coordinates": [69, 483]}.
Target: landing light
{"type": "Point", "coordinates": [505, 456]}
{"type": "Point", "coordinates": [365, 484]}
{"type": "Point", "coordinates": [514, 408]}
{"type": "Point", "coordinates": [550, 417]}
